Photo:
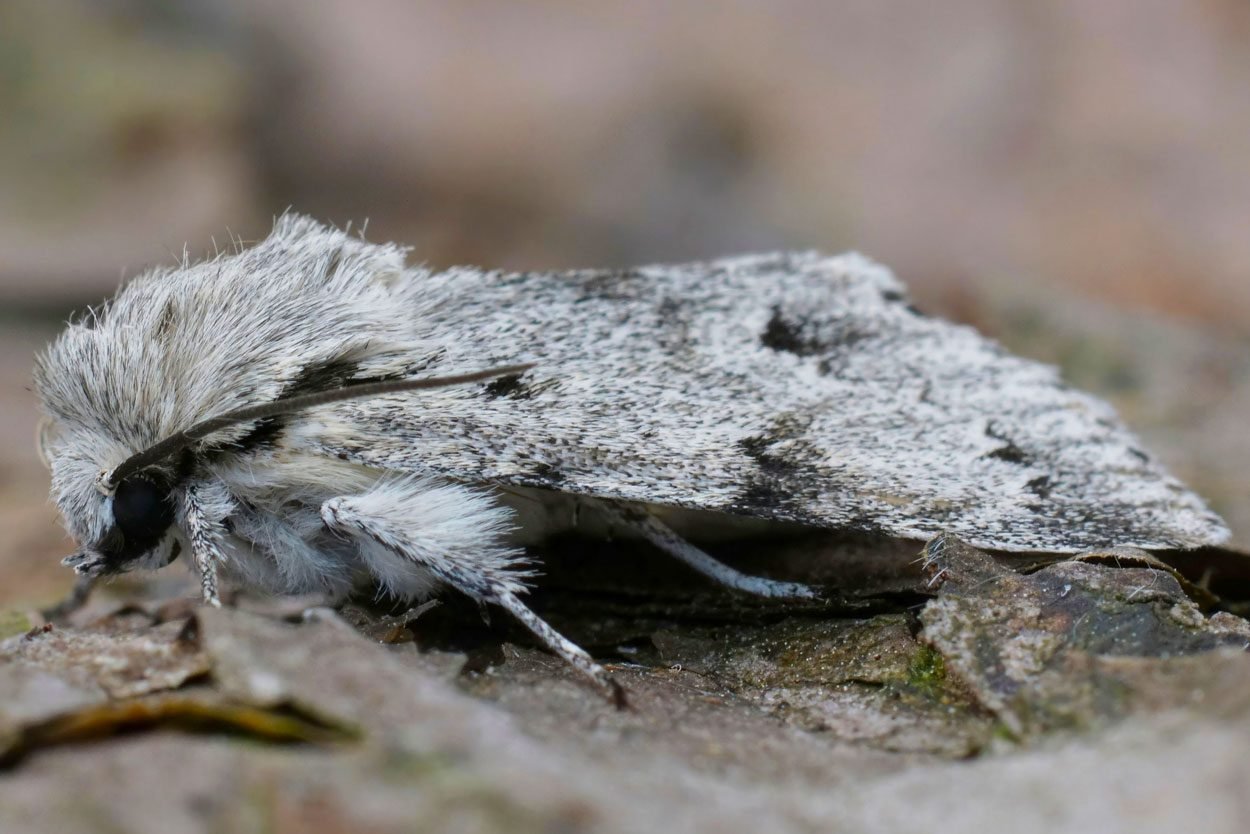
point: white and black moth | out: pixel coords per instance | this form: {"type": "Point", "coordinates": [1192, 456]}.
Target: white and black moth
{"type": "Point", "coordinates": [787, 387]}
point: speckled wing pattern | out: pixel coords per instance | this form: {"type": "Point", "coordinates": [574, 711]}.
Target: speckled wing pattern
{"type": "Point", "coordinates": [794, 387]}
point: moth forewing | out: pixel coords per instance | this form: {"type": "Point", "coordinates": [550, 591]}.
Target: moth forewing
{"type": "Point", "coordinates": [251, 411]}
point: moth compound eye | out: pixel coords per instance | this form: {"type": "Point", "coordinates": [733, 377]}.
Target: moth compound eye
{"type": "Point", "coordinates": [142, 510]}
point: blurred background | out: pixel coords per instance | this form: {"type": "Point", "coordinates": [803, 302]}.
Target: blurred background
{"type": "Point", "coordinates": [1071, 177]}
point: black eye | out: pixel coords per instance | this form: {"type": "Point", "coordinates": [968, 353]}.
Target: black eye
{"type": "Point", "coordinates": [142, 511]}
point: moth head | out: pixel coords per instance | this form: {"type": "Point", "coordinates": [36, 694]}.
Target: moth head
{"type": "Point", "coordinates": [120, 504]}
{"type": "Point", "coordinates": [142, 515]}
{"type": "Point", "coordinates": [126, 527]}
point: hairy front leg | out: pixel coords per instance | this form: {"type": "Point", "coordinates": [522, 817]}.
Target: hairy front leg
{"type": "Point", "coordinates": [455, 534]}
{"type": "Point", "coordinates": [204, 507]}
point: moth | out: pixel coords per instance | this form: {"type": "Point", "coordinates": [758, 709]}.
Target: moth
{"type": "Point", "coordinates": [312, 413]}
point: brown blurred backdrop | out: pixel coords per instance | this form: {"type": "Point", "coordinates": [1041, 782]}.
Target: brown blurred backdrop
{"type": "Point", "coordinates": [1073, 177]}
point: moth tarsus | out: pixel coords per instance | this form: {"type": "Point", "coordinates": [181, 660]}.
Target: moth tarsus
{"type": "Point", "coordinates": [297, 415]}
{"type": "Point", "coordinates": [565, 649]}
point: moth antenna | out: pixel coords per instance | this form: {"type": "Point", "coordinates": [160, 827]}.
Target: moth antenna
{"type": "Point", "coordinates": [176, 442]}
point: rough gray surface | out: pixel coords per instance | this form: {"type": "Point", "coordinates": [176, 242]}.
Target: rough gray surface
{"type": "Point", "coordinates": [1074, 644]}
{"type": "Point", "coordinates": [775, 720]}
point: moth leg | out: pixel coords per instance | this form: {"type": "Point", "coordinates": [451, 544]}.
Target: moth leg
{"type": "Point", "coordinates": [453, 533]}
{"type": "Point", "coordinates": [665, 538]}
{"type": "Point", "coordinates": [563, 647]}
{"type": "Point", "coordinates": [74, 600]}
{"type": "Point", "coordinates": [204, 508]}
